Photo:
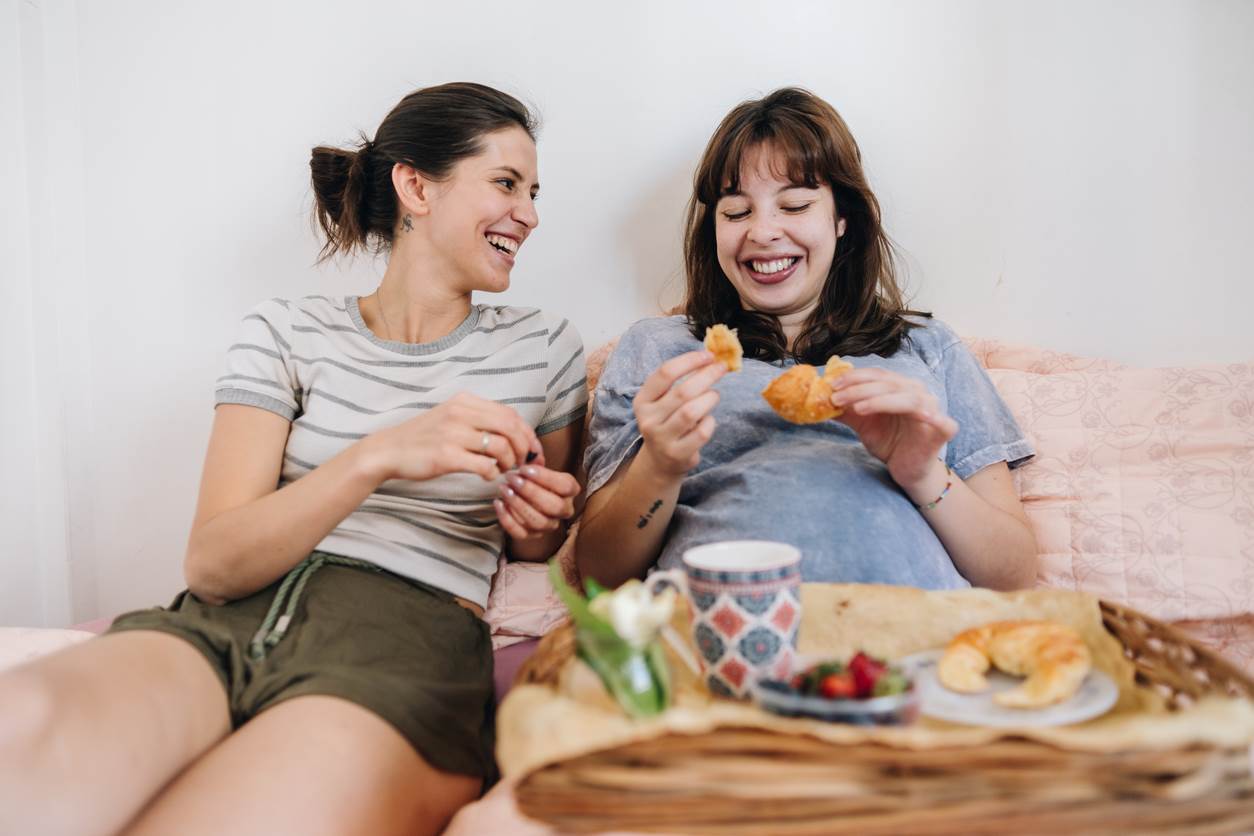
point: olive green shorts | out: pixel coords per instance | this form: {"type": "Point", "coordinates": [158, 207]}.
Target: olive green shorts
{"type": "Point", "coordinates": [406, 651]}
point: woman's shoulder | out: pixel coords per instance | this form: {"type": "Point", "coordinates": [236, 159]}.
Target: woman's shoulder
{"type": "Point", "coordinates": [659, 332]}
{"type": "Point", "coordinates": [325, 309]}
{"type": "Point", "coordinates": [498, 318]}
{"type": "Point", "coordinates": [930, 340]}
{"type": "Point", "coordinates": [528, 336]}
{"type": "Point", "coordinates": [645, 345]}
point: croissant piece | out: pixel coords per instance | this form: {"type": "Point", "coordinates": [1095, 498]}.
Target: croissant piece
{"type": "Point", "coordinates": [1052, 656]}
{"type": "Point", "coordinates": [801, 396]}
{"type": "Point", "coordinates": [722, 342]}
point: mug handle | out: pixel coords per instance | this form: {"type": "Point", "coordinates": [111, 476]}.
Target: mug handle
{"type": "Point", "coordinates": [679, 580]}
{"type": "Point", "coordinates": [674, 577]}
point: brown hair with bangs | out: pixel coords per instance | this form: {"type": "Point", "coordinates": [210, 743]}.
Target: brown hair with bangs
{"type": "Point", "coordinates": [860, 309]}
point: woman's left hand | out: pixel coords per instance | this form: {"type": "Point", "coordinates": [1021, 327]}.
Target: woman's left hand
{"type": "Point", "coordinates": [535, 500]}
{"type": "Point", "coordinates": [897, 419]}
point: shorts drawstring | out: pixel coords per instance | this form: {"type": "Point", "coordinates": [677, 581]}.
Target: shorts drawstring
{"type": "Point", "coordinates": [274, 626]}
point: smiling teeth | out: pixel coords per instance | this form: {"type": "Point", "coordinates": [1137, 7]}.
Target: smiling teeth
{"type": "Point", "coordinates": [768, 267]}
{"type": "Point", "coordinates": [502, 243]}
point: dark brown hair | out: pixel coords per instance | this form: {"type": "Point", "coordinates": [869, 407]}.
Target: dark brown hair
{"type": "Point", "coordinates": [430, 129]}
{"type": "Point", "coordinates": [860, 309]}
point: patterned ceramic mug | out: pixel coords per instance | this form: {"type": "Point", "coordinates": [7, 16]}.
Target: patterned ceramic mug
{"type": "Point", "coordinates": [745, 601]}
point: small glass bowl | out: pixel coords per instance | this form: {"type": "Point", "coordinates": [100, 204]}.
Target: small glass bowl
{"type": "Point", "coordinates": [893, 710]}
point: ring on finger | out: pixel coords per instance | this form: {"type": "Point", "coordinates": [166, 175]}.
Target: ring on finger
{"type": "Point", "coordinates": [484, 442]}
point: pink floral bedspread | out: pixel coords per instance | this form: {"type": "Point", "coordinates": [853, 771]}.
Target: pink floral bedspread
{"type": "Point", "coordinates": [1142, 491]}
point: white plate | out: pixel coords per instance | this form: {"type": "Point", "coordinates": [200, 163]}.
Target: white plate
{"type": "Point", "coordinates": [1097, 694]}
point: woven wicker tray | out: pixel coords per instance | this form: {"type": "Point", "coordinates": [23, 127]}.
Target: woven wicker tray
{"type": "Point", "coordinates": [754, 781]}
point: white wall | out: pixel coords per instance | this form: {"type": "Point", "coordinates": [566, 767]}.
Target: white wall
{"type": "Point", "coordinates": [1071, 174]}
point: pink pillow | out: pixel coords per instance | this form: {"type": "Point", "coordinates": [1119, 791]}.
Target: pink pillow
{"type": "Point", "coordinates": [522, 603]}
{"type": "Point", "coordinates": [1142, 490]}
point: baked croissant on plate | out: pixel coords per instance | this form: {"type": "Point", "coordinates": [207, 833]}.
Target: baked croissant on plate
{"type": "Point", "coordinates": [1052, 656]}
{"type": "Point", "coordinates": [801, 396]}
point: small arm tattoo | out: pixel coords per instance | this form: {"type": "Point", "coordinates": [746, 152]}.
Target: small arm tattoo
{"type": "Point", "coordinates": [648, 515]}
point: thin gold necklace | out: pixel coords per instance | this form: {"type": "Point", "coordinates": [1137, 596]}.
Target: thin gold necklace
{"type": "Point", "coordinates": [378, 300]}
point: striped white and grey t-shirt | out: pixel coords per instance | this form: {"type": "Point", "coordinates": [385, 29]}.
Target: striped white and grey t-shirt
{"type": "Point", "coordinates": [315, 362]}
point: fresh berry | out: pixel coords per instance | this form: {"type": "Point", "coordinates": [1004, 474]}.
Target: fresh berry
{"type": "Point", "coordinates": [838, 686]}
{"type": "Point", "coordinates": [864, 677]}
{"type": "Point", "coordinates": [866, 672]}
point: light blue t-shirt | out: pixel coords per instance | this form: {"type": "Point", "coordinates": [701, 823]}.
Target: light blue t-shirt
{"type": "Point", "coordinates": [812, 485]}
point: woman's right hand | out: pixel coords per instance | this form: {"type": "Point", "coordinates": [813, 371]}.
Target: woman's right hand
{"type": "Point", "coordinates": [450, 438]}
{"type": "Point", "coordinates": [673, 411]}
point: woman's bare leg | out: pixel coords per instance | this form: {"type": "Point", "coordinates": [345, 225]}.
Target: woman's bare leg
{"type": "Point", "coordinates": [310, 765]}
{"type": "Point", "coordinates": [88, 735]}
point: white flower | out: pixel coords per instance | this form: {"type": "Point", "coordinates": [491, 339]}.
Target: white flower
{"type": "Point", "coordinates": [634, 612]}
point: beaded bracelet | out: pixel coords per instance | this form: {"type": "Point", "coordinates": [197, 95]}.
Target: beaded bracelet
{"type": "Point", "coordinates": [948, 484]}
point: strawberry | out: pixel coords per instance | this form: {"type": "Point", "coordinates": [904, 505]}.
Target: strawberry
{"type": "Point", "coordinates": [866, 672]}
{"type": "Point", "coordinates": [838, 686]}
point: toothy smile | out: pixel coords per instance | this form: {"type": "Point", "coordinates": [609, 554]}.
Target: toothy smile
{"type": "Point", "coordinates": [777, 265]}
{"type": "Point", "coordinates": [505, 245]}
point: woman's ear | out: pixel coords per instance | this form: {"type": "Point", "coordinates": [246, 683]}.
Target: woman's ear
{"type": "Point", "coordinates": [412, 189]}
{"type": "Point", "coordinates": [840, 227]}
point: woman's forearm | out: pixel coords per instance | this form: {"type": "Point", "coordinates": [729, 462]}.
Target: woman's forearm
{"type": "Point", "coordinates": [536, 549]}
{"type": "Point", "coordinates": [239, 551]}
{"type": "Point", "coordinates": [625, 522]}
{"type": "Point", "coordinates": [989, 546]}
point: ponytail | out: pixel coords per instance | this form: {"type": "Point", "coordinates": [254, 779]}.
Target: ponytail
{"type": "Point", "coordinates": [339, 181]}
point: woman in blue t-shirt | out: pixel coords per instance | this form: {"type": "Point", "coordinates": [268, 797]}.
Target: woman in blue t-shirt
{"type": "Point", "coordinates": [910, 485]}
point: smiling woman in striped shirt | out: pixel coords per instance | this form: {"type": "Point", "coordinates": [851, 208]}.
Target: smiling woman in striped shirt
{"type": "Point", "coordinates": [371, 459]}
